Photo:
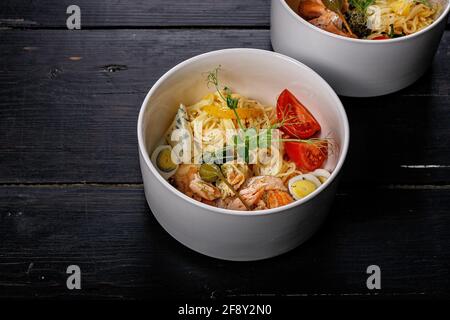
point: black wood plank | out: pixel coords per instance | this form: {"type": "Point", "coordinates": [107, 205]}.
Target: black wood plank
{"type": "Point", "coordinates": [398, 140]}
{"type": "Point", "coordinates": [124, 253]}
{"type": "Point", "coordinates": [136, 13]}
{"type": "Point", "coordinates": [70, 100]}
{"type": "Point", "coordinates": [79, 116]}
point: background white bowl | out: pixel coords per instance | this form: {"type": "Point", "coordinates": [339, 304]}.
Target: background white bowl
{"type": "Point", "coordinates": [354, 67]}
{"type": "Point", "coordinates": [226, 234]}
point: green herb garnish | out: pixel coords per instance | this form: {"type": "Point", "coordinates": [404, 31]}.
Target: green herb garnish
{"type": "Point", "coordinates": [232, 103]}
{"type": "Point", "coordinates": [392, 33]}
{"type": "Point", "coordinates": [358, 22]}
{"type": "Point", "coordinates": [241, 144]}
{"type": "Point", "coordinates": [361, 5]}
{"type": "Point", "coordinates": [357, 17]}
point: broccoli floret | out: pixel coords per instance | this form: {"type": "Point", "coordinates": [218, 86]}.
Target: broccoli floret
{"type": "Point", "coordinates": [358, 23]}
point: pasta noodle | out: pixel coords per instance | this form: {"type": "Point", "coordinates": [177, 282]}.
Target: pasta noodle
{"type": "Point", "coordinates": [214, 128]}
{"type": "Point", "coordinates": [399, 17]}
{"type": "Point", "coordinates": [232, 152]}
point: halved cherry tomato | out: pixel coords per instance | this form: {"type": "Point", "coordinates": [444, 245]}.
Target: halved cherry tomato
{"type": "Point", "coordinates": [298, 121]}
{"type": "Point", "coordinates": [383, 37]}
{"type": "Point", "coordinates": [307, 156]}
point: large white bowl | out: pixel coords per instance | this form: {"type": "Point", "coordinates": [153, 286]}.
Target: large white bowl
{"type": "Point", "coordinates": [354, 67]}
{"type": "Point", "coordinates": [221, 233]}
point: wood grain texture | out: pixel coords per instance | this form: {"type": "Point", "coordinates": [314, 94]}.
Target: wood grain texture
{"type": "Point", "coordinates": [124, 253]}
{"type": "Point", "coordinates": [137, 13]}
{"type": "Point", "coordinates": [70, 186]}
{"type": "Point", "coordinates": [70, 102]}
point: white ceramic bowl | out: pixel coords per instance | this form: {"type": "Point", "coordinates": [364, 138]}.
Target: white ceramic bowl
{"type": "Point", "coordinates": [354, 67]}
{"type": "Point", "coordinates": [221, 233]}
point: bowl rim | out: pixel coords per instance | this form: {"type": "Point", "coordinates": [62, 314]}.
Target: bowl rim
{"type": "Point", "coordinates": [404, 38]}
{"type": "Point", "coordinates": [338, 104]}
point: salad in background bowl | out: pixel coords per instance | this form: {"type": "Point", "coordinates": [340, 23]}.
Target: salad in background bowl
{"type": "Point", "coordinates": [363, 48]}
{"type": "Point", "coordinates": [371, 19]}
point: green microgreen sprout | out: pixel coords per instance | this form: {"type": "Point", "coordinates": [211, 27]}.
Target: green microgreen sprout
{"type": "Point", "coordinates": [232, 103]}
{"type": "Point", "coordinates": [361, 5]}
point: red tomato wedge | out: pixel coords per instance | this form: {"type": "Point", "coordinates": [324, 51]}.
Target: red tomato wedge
{"type": "Point", "coordinates": [381, 38]}
{"type": "Point", "coordinates": [298, 121]}
{"type": "Point", "coordinates": [307, 156]}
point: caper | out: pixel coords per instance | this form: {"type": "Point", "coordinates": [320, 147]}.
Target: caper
{"type": "Point", "coordinates": [209, 172]}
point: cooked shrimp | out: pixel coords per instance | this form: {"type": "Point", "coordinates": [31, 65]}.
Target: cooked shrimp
{"type": "Point", "coordinates": [255, 187]}
{"type": "Point", "coordinates": [183, 177]}
{"type": "Point", "coordinates": [204, 189]}
{"type": "Point", "coordinates": [252, 193]}
{"type": "Point", "coordinates": [316, 13]}
{"type": "Point", "coordinates": [330, 22]}
{"type": "Point", "coordinates": [188, 181]}
{"type": "Point", "coordinates": [310, 9]}
{"type": "Point", "coordinates": [231, 203]}
{"type": "Point", "coordinates": [277, 198]}
{"type": "Point", "coordinates": [260, 205]}
{"type": "Point", "coordinates": [235, 174]}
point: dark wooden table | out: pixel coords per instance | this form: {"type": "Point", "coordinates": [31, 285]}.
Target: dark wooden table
{"type": "Point", "coordinates": [71, 190]}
